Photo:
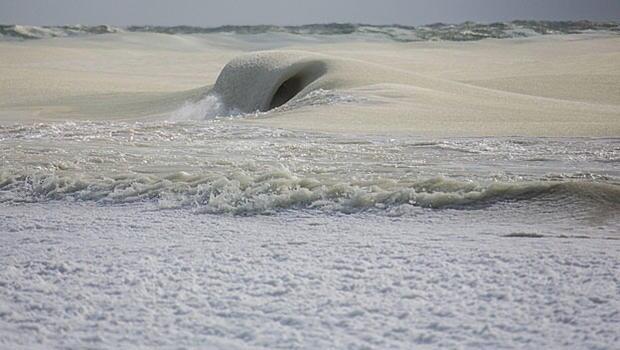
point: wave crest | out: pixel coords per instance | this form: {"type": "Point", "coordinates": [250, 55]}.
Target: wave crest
{"type": "Point", "coordinates": [262, 81]}
{"type": "Point", "coordinates": [248, 193]}
{"type": "Point", "coordinates": [26, 32]}
{"type": "Point", "coordinates": [466, 31]}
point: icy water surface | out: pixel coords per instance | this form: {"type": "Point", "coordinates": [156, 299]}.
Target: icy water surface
{"type": "Point", "coordinates": [224, 235]}
{"type": "Point", "coordinates": [221, 166]}
{"type": "Point", "coordinates": [87, 275]}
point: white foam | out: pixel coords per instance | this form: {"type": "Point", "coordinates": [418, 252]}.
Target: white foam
{"type": "Point", "coordinates": [209, 107]}
{"type": "Point", "coordinates": [212, 106]}
{"type": "Point", "coordinates": [82, 275]}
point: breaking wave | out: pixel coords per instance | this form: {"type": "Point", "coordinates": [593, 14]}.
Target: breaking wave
{"type": "Point", "coordinates": [25, 32]}
{"type": "Point", "coordinates": [233, 168]}
{"type": "Point", "coordinates": [212, 107]}
{"type": "Point", "coordinates": [466, 31]}
{"type": "Point", "coordinates": [262, 81]}
{"type": "Point", "coordinates": [281, 80]}
{"type": "Point", "coordinates": [248, 193]}
{"type": "Point", "coordinates": [209, 107]}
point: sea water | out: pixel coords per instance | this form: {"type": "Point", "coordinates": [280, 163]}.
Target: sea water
{"type": "Point", "coordinates": [202, 230]}
{"type": "Point", "coordinates": [217, 233]}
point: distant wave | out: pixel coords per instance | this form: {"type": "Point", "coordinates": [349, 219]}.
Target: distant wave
{"type": "Point", "coordinates": [25, 32]}
{"type": "Point", "coordinates": [466, 31]}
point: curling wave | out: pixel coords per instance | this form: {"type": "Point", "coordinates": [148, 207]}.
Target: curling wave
{"type": "Point", "coordinates": [281, 80]}
{"type": "Point", "coordinates": [265, 80]}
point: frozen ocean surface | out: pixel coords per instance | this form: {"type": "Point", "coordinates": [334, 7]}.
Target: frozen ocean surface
{"type": "Point", "coordinates": [208, 234]}
{"type": "Point", "coordinates": [82, 275]}
{"type": "Point", "coordinates": [345, 187]}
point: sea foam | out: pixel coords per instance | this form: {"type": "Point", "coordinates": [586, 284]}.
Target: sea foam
{"type": "Point", "coordinates": [217, 166]}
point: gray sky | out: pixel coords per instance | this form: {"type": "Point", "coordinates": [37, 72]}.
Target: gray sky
{"type": "Point", "coordinates": [216, 12]}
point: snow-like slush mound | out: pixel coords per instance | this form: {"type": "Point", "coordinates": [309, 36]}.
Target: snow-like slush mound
{"type": "Point", "coordinates": [265, 80]}
{"type": "Point", "coordinates": [261, 81]}
{"type": "Point", "coordinates": [402, 100]}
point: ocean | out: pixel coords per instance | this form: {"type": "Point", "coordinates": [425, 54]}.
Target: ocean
{"type": "Point", "coordinates": [289, 187]}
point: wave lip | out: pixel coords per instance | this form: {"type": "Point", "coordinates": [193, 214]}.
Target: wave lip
{"type": "Point", "coordinates": [265, 80]}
